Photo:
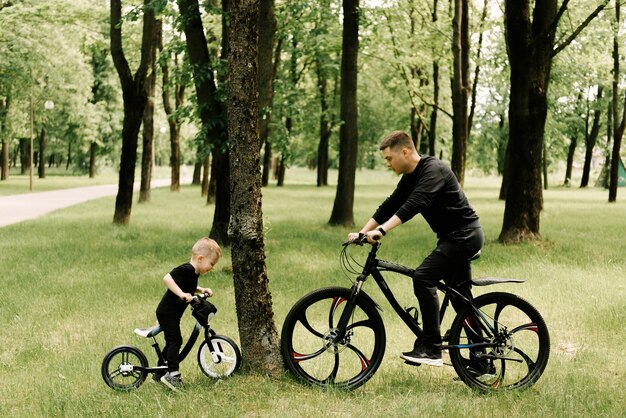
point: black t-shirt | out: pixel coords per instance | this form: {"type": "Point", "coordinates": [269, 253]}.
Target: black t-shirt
{"type": "Point", "coordinates": [432, 190]}
{"type": "Point", "coordinates": [186, 278]}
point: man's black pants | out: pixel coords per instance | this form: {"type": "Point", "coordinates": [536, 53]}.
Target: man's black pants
{"type": "Point", "coordinates": [449, 261]}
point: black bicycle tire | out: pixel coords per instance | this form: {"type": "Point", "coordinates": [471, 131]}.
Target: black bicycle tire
{"type": "Point", "coordinates": [228, 341]}
{"type": "Point", "coordinates": [543, 338]}
{"type": "Point", "coordinates": [364, 303]}
{"type": "Point", "coordinates": [106, 371]}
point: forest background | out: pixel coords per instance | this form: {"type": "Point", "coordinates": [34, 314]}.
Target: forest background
{"type": "Point", "coordinates": [58, 52]}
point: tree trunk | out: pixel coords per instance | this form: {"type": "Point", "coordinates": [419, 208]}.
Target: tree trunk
{"type": "Point", "coordinates": [529, 48]}
{"type": "Point", "coordinates": [147, 154]}
{"type": "Point", "coordinates": [325, 131]}
{"type": "Point", "coordinates": [618, 126]}
{"type": "Point", "coordinates": [41, 167]}
{"type": "Point", "coordinates": [24, 155]}
{"type": "Point", "coordinates": [590, 141]}
{"type": "Point", "coordinates": [206, 169]}
{"type": "Point", "coordinates": [258, 334]}
{"type": "Point", "coordinates": [93, 150]}
{"type": "Point", "coordinates": [5, 160]}
{"type": "Point", "coordinates": [460, 87]}
{"type": "Point", "coordinates": [135, 97]}
{"type": "Point", "coordinates": [470, 118]}
{"type": "Point", "coordinates": [343, 211]}
{"type": "Point", "coordinates": [267, 29]}
{"type": "Point", "coordinates": [4, 155]}
{"type": "Point", "coordinates": [432, 132]}
{"type": "Point", "coordinates": [173, 121]}
{"type": "Point", "coordinates": [210, 109]}
{"type": "Point", "coordinates": [571, 150]}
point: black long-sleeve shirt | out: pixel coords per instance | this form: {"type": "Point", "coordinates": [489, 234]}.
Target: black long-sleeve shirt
{"type": "Point", "coordinates": [432, 190]}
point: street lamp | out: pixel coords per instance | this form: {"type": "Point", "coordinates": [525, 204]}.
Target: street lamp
{"type": "Point", "coordinates": [48, 105]}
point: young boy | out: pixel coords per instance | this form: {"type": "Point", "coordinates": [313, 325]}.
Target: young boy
{"type": "Point", "coordinates": [182, 283]}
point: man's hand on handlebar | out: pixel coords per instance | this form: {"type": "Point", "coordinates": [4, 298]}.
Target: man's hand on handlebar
{"type": "Point", "coordinates": [371, 237]}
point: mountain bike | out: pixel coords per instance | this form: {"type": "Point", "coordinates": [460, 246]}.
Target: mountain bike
{"type": "Point", "coordinates": [335, 336]}
{"type": "Point", "coordinates": [126, 367]}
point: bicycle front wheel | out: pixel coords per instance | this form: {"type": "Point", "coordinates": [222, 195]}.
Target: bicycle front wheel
{"type": "Point", "coordinates": [119, 368]}
{"type": "Point", "coordinates": [514, 339]}
{"type": "Point", "coordinates": [312, 355]}
{"type": "Point", "coordinates": [219, 357]}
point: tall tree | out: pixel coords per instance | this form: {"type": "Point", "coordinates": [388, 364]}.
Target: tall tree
{"type": "Point", "coordinates": [530, 49]}
{"type": "Point", "coordinates": [267, 31]}
{"type": "Point", "coordinates": [172, 86]}
{"type": "Point", "coordinates": [460, 87]}
{"type": "Point", "coordinates": [343, 207]}
{"type": "Point", "coordinates": [591, 137]}
{"type": "Point", "coordinates": [147, 148]}
{"type": "Point", "coordinates": [259, 338]}
{"type": "Point", "coordinates": [210, 109]}
{"type": "Point", "coordinates": [618, 126]}
{"type": "Point", "coordinates": [5, 105]}
{"type": "Point", "coordinates": [135, 98]}
{"type": "Point", "coordinates": [432, 131]}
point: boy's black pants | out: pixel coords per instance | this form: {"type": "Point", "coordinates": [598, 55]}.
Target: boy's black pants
{"type": "Point", "coordinates": [170, 324]}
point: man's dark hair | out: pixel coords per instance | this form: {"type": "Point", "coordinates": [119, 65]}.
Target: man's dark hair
{"type": "Point", "coordinates": [397, 139]}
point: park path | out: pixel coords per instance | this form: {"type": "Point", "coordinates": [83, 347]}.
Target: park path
{"type": "Point", "coordinates": [22, 207]}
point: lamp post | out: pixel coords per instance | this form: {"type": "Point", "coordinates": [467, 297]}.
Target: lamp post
{"type": "Point", "coordinates": [48, 105]}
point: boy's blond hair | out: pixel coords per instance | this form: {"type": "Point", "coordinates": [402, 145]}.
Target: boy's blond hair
{"type": "Point", "coordinates": [206, 246]}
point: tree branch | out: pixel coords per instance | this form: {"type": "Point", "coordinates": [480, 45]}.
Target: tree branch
{"type": "Point", "coordinates": [117, 50]}
{"type": "Point", "coordinates": [579, 29]}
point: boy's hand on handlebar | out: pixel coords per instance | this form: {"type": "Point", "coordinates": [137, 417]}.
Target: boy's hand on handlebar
{"type": "Point", "coordinates": [187, 297]}
{"type": "Point", "coordinates": [206, 290]}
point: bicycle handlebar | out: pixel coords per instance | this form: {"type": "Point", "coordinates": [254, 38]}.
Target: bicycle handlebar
{"type": "Point", "coordinates": [198, 297]}
{"type": "Point", "coordinates": [361, 239]}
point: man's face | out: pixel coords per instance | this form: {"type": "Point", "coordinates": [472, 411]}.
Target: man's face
{"type": "Point", "coordinates": [396, 159]}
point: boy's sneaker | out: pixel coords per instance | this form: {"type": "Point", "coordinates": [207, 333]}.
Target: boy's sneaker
{"type": "Point", "coordinates": [174, 382]}
{"type": "Point", "coordinates": [423, 355]}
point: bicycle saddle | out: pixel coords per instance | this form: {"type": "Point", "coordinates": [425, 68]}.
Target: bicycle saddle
{"type": "Point", "coordinates": [148, 332]}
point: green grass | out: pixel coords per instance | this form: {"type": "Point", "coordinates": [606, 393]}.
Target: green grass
{"type": "Point", "coordinates": [75, 285]}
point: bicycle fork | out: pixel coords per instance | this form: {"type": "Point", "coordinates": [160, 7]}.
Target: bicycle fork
{"type": "Point", "coordinates": [337, 334]}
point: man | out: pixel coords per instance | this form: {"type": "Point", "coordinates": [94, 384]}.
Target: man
{"type": "Point", "coordinates": [428, 187]}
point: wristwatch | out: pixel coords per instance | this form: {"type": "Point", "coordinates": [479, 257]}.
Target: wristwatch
{"type": "Point", "coordinates": [381, 230]}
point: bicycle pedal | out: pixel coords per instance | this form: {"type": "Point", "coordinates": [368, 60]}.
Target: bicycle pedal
{"type": "Point", "coordinates": [412, 364]}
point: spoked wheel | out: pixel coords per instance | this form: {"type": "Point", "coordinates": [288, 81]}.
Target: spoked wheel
{"type": "Point", "coordinates": [220, 357]}
{"type": "Point", "coordinates": [518, 344]}
{"type": "Point", "coordinates": [119, 368]}
{"type": "Point", "coordinates": [312, 354]}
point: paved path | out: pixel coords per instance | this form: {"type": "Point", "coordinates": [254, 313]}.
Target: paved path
{"type": "Point", "coordinates": [21, 207]}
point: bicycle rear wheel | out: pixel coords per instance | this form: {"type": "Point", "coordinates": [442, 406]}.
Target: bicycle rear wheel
{"type": "Point", "coordinates": [308, 351]}
{"type": "Point", "coordinates": [119, 368]}
{"type": "Point", "coordinates": [518, 343]}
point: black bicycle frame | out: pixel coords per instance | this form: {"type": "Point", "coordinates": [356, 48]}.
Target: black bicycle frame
{"type": "Point", "coordinates": [183, 353]}
{"type": "Point", "coordinates": [373, 267]}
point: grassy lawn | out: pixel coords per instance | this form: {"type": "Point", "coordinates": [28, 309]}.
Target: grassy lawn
{"type": "Point", "coordinates": [75, 286]}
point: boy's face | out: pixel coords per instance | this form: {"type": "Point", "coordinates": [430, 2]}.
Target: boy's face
{"type": "Point", "coordinates": [205, 263]}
